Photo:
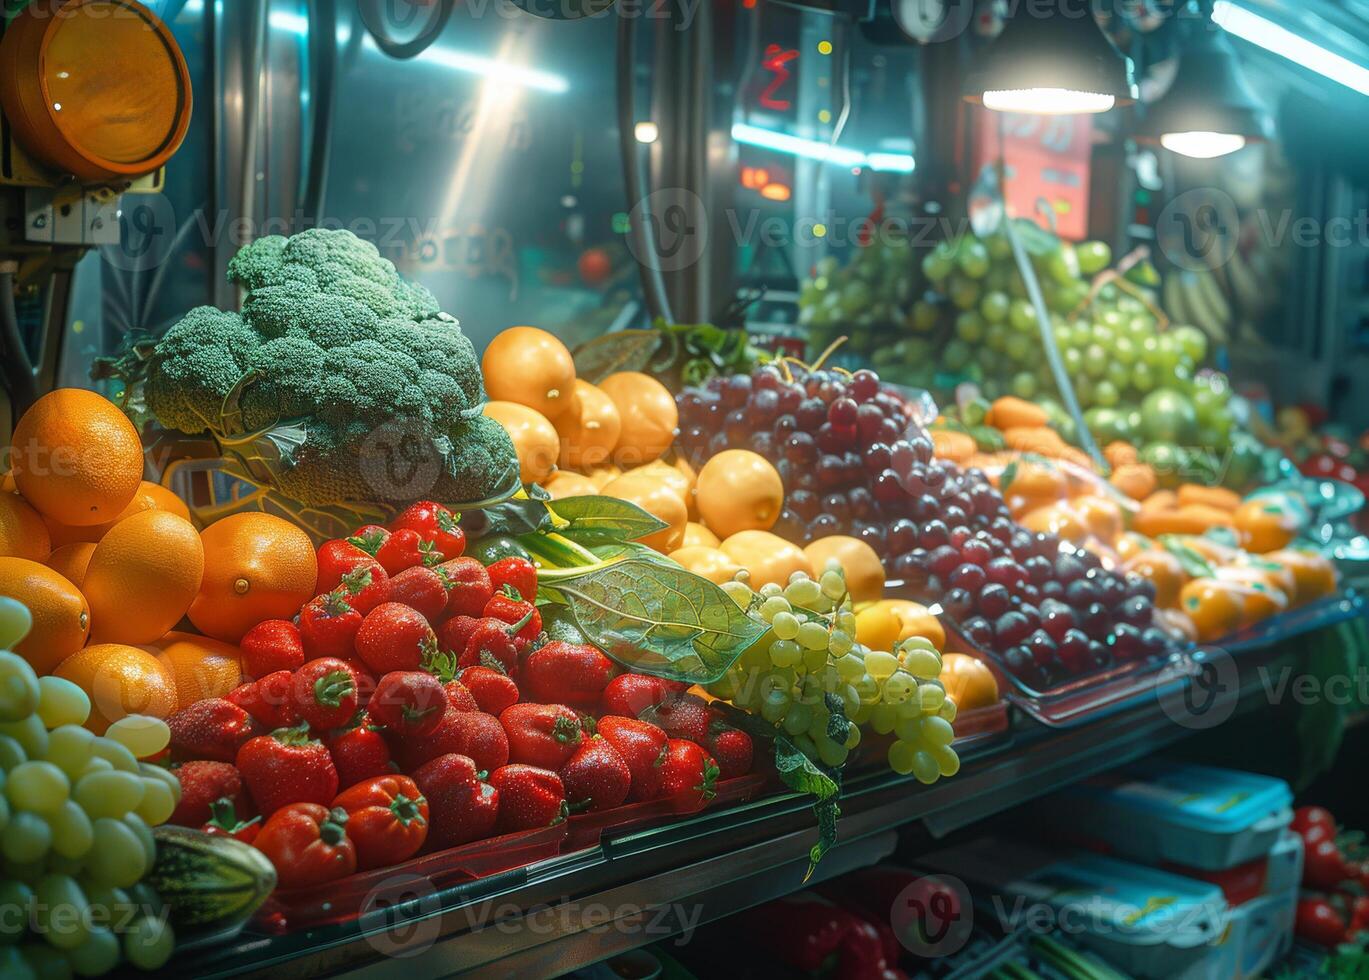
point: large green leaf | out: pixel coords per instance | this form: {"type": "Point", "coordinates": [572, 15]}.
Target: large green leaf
{"type": "Point", "coordinates": [623, 350]}
{"type": "Point", "coordinates": [656, 618]}
{"type": "Point", "coordinates": [604, 520]}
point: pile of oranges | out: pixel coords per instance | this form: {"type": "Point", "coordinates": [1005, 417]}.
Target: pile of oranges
{"type": "Point", "coordinates": [129, 600]}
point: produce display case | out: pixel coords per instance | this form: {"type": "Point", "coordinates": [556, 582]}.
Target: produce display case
{"type": "Point", "coordinates": [845, 496]}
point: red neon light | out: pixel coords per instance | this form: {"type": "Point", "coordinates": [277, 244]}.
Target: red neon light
{"type": "Point", "coordinates": [774, 61]}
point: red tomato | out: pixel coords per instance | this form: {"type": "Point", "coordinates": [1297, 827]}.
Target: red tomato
{"type": "Point", "coordinates": [308, 844]}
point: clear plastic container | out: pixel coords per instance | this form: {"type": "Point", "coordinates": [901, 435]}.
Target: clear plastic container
{"type": "Point", "coordinates": [1145, 922]}
{"type": "Point", "coordinates": [587, 829]}
{"type": "Point", "coordinates": [346, 898]}
{"type": "Point", "coordinates": [1194, 816]}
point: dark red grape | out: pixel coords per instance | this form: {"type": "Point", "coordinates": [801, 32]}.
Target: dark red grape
{"type": "Point", "coordinates": [843, 413]}
{"type": "Point", "coordinates": [877, 459]}
{"type": "Point", "coordinates": [1138, 611]}
{"type": "Point", "coordinates": [805, 503]}
{"type": "Point", "coordinates": [1011, 629]}
{"type": "Point", "coordinates": [943, 560]}
{"type": "Point", "coordinates": [1073, 650]}
{"type": "Point", "coordinates": [837, 505]}
{"type": "Point", "coordinates": [864, 385]}
{"type": "Point", "coordinates": [976, 552]}
{"type": "Point", "coordinates": [887, 488]}
{"type": "Point", "coordinates": [1082, 593]}
{"type": "Point", "coordinates": [1041, 647]}
{"type": "Point", "coordinates": [994, 601]}
{"type": "Point", "coordinates": [735, 390]}
{"type": "Point", "coordinates": [862, 502]}
{"type": "Point", "coordinates": [902, 533]}
{"type": "Point", "coordinates": [1069, 569]}
{"type": "Point", "coordinates": [824, 525]}
{"type": "Point", "coordinates": [978, 631]}
{"type": "Point", "coordinates": [1057, 620]}
{"type": "Point", "coordinates": [801, 449]}
{"type": "Point", "coordinates": [958, 603]}
{"type": "Point", "coordinates": [1126, 642]}
{"type": "Point", "coordinates": [968, 577]}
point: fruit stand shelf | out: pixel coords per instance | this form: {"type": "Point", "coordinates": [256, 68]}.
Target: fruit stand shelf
{"type": "Point", "coordinates": [645, 886]}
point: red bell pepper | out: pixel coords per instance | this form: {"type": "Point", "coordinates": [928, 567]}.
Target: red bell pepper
{"type": "Point", "coordinates": [308, 844]}
{"type": "Point", "coordinates": [387, 818]}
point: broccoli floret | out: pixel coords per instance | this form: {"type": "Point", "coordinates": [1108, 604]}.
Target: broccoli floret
{"type": "Point", "coordinates": [195, 367]}
{"type": "Point", "coordinates": [482, 462]}
{"type": "Point", "coordinates": [333, 345]}
{"type": "Point", "coordinates": [257, 262]}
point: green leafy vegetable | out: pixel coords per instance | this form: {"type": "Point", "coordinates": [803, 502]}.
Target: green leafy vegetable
{"type": "Point", "coordinates": [599, 520]}
{"type": "Point", "coordinates": [656, 618]}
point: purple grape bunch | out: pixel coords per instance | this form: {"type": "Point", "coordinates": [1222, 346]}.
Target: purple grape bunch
{"type": "Point", "coordinates": [854, 461]}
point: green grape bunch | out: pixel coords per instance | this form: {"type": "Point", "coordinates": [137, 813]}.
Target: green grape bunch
{"type": "Point", "coordinates": [810, 678]}
{"type": "Point", "coordinates": [76, 812]}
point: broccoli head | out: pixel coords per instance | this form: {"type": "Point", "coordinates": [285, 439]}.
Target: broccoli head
{"type": "Point", "coordinates": [332, 350]}
{"type": "Point", "coordinates": [195, 367]}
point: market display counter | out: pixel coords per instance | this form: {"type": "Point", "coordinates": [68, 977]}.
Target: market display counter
{"type": "Point", "coordinates": [645, 886]}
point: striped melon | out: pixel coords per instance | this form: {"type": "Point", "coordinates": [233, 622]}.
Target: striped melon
{"type": "Point", "coordinates": [209, 880]}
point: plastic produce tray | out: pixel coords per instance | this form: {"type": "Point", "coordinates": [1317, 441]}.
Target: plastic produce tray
{"type": "Point", "coordinates": [1099, 694]}
{"type": "Point", "coordinates": [340, 901]}
{"type": "Point", "coordinates": [347, 898]}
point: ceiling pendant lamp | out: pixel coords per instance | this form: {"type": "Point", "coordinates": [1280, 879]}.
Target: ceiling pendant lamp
{"type": "Point", "coordinates": [1209, 110]}
{"type": "Point", "coordinates": [1052, 58]}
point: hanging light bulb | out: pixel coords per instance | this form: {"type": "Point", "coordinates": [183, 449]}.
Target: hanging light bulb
{"type": "Point", "coordinates": [1209, 110]}
{"type": "Point", "coordinates": [1052, 58]}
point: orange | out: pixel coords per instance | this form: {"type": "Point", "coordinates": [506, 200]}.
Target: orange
{"type": "Point", "coordinates": [61, 617]}
{"type": "Point", "coordinates": [142, 577]}
{"type": "Point", "coordinates": [62, 535]}
{"type": "Point", "coordinates": [1314, 576]}
{"type": "Point", "coordinates": [1214, 607]}
{"type": "Point", "coordinates": [1130, 544]}
{"type": "Point", "coordinates": [1100, 515]}
{"type": "Point", "coordinates": [256, 566]}
{"type": "Point", "coordinates": [864, 571]}
{"type": "Point", "coordinates": [739, 490]}
{"type": "Point", "coordinates": [709, 563]}
{"type": "Point", "coordinates": [201, 667]}
{"type": "Point", "coordinates": [767, 557]}
{"type": "Point", "coordinates": [71, 561]}
{"type": "Point", "coordinates": [120, 680]}
{"type": "Point", "coordinates": [1218, 497]}
{"type": "Point", "coordinates": [564, 483]}
{"type": "Point", "coordinates": [602, 475]}
{"type": "Point", "coordinates": [1259, 600]}
{"type": "Point", "coordinates": [77, 458]}
{"type": "Point", "coordinates": [1163, 570]}
{"type": "Point", "coordinates": [589, 428]}
{"type": "Point", "coordinates": [968, 681]}
{"type": "Point", "coordinates": [1266, 524]}
{"type": "Point", "coordinates": [674, 477]}
{"type": "Point", "coordinates": [657, 498]}
{"type": "Point", "coordinates": [1058, 518]}
{"type": "Point", "coordinates": [915, 620]}
{"type": "Point", "coordinates": [149, 496]}
{"type": "Point", "coordinates": [878, 626]}
{"type": "Point", "coordinates": [649, 416]}
{"type": "Point", "coordinates": [534, 438]}
{"type": "Point", "coordinates": [698, 536]}
{"type": "Point", "coordinates": [530, 367]}
{"type": "Point", "coordinates": [22, 531]}
{"type": "Point", "coordinates": [7, 484]}
{"type": "Point", "coordinates": [1037, 480]}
